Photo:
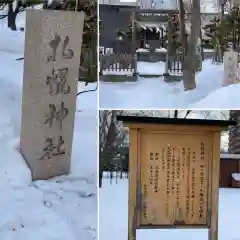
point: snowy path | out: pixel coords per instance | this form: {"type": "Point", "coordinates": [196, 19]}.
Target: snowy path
{"type": "Point", "coordinates": [155, 93]}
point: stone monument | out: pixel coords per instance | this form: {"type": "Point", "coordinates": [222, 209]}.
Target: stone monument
{"type": "Point", "coordinates": [230, 61]}
{"type": "Point", "coordinates": [53, 42]}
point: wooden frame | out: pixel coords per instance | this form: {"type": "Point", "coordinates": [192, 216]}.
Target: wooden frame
{"type": "Point", "coordinates": [187, 131]}
{"type": "Point", "coordinates": [148, 15]}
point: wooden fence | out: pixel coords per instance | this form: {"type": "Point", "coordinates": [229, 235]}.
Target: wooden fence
{"type": "Point", "coordinates": [117, 64]}
{"type": "Point", "coordinates": [126, 64]}
{"type": "Point", "coordinates": [217, 58]}
{"type": "Point", "coordinates": [115, 176]}
{"type": "Point", "coordinates": [175, 65]}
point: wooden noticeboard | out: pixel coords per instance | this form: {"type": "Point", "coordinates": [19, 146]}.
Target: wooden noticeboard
{"type": "Point", "coordinates": [173, 173]}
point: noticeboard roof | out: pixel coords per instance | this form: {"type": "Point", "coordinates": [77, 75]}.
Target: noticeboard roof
{"type": "Point", "coordinates": [174, 121]}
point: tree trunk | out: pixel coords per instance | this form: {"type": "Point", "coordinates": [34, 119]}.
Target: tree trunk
{"type": "Point", "coordinates": [201, 40]}
{"type": "Point", "coordinates": [189, 69]}
{"type": "Point", "coordinates": [101, 169]}
{"type": "Point", "coordinates": [189, 78]}
{"type": "Point", "coordinates": [12, 15]}
{"type": "Point", "coordinates": [234, 133]}
{"type": "Point", "coordinates": [222, 11]}
{"type": "Point", "coordinates": [100, 177]}
{"type": "Point", "coordinates": [170, 46]}
{"type": "Point", "coordinates": [182, 27]}
{"type": "Point", "coordinates": [222, 18]}
{"type": "Point", "coordinates": [187, 113]}
{"type": "Point", "coordinates": [111, 176]}
{"type": "Point", "coordinates": [175, 113]}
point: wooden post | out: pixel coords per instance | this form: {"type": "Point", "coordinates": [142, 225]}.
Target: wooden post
{"type": "Point", "coordinates": [133, 33]}
{"type": "Point", "coordinates": [202, 51]}
{"type": "Point", "coordinates": [170, 48]}
{"type": "Point", "coordinates": [213, 231]}
{"type": "Point", "coordinates": [133, 168]}
{"type": "Point", "coordinates": [134, 58]}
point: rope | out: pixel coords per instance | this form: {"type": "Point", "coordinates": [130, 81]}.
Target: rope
{"type": "Point", "coordinates": [91, 90]}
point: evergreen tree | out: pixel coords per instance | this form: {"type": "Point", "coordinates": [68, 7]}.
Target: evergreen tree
{"type": "Point", "coordinates": [220, 33]}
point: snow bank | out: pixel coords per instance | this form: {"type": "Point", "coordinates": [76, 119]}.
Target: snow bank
{"type": "Point", "coordinates": [113, 201]}
{"type": "Point", "coordinates": [12, 42]}
{"type": "Point", "coordinates": [208, 50]}
{"type": "Point", "coordinates": [61, 208]}
{"type": "Point", "coordinates": [161, 50]}
{"type": "Point", "coordinates": [207, 81]}
{"type": "Point", "coordinates": [142, 50]}
{"type": "Point", "coordinates": [225, 98]}
{"type": "Point", "coordinates": [156, 50]}
{"type": "Point", "coordinates": [236, 176]}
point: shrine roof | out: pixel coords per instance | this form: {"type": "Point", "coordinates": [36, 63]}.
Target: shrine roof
{"type": "Point", "coordinates": [174, 121]}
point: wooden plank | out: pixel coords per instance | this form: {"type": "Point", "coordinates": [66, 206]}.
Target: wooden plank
{"type": "Point", "coordinates": [213, 232]}
{"type": "Point", "coordinates": [168, 128]}
{"type": "Point", "coordinates": [133, 184]}
{"type": "Point", "coordinates": [172, 166]}
{"type": "Point", "coordinates": [210, 166]}
{"type": "Point", "coordinates": [139, 179]}
{"type": "Point", "coordinates": [185, 227]}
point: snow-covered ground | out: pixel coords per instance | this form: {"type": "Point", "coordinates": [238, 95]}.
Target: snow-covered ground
{"type": "Point", "coordinates": [58, 209]}
{"type": "Point", "coordinates": [155, 93]}
{"type": "Point", "coordinates": [113, 216]}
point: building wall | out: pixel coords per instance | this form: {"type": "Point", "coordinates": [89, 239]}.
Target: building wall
{"type": "Point", "coordinates": [228, 166]}
{"type": "Point", "coordinates": [234, 133]}
{"type": "Point", "coordinates": [164, 4]}
{"type": "Point", "coordinates": [113, 19]}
